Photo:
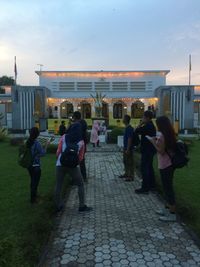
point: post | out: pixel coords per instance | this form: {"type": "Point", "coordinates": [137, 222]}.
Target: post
{"type": "Point", "coordinates": [190, 68]}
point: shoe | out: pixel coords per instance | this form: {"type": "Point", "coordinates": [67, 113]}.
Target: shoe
{"type": "Point", "coordinates": [129, 179]}
{"type": "Point", "coordinates": [153, 189]}
{"type": "Point", "coordinates": [85, 208]}
{"type": "Point", "coordinates": [60, 208]}
{"type": "Point", "coordinates": [123, 176]}
{"type": "Point", "coordinates": [170, 217]}
{"type": "Point", "coordinates": [141, 191]}
{"type": "Point", "coordinates": [162, 212]}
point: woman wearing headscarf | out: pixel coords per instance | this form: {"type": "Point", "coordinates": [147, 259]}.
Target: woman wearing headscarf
{"type": "Point", "coordinates": [94, 137]}
{"type": "Point", "coordinates": [34, 170]}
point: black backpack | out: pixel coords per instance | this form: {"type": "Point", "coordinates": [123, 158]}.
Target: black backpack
{"type": "Point", "coordinates": [69, 157]}
{"type": "Point", "coordinates": [180, 157]}
{"type": "Point", "coordinates": [136, 139]}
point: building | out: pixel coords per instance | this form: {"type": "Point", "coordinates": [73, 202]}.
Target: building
{"type": "Point", "coordinates": [126, 92]}
{"type": "Point", "coordinates": [177, 102]}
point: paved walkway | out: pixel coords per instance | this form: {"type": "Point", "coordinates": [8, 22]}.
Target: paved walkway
{"type": "Point", "coordinates": [123, 230]}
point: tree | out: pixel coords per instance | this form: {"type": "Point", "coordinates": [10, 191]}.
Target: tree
{"type": "Point", "coordinates": [5, 80]}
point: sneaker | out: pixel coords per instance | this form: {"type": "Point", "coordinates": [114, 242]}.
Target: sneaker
{"type": "Point", "coordinates": [162, 212]}
{"type": "Point", "coordinates": [85, 208]}
{"type": "Point", "coordinates": [170, 217]}
{"type": "Point", "coordinates": [141, 191]}
{"type": "Point", "coordinates": [122, 176]}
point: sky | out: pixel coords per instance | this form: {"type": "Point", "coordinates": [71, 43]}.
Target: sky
{"type": "Point", "coordinates": [100, 35]}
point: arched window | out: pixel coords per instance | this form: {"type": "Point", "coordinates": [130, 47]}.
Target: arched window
{"type": "Point", "coordinates": [86, 110]}
{"type": "Point", "coordinates": [119, 110]}
{"type": "Point", "coordinates": [137, 109]}
{"type": "Point", "coordinates": [66, 110]}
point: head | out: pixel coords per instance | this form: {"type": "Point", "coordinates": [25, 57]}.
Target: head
{"type": "Point", "coordinates": [165, 127]}
{"type": "Point", "coordinates": [126, 119]}
{"type": "Point", "coordinates": [74, 133]}
{"type": "Point", "coordinates": [76, 116]}
{"type": "Point", "coordinates": [148, 115]}
{"type": "Point", "coordinates": [63, 122]}
{"type": "Point", "coordinates": [34, 133]}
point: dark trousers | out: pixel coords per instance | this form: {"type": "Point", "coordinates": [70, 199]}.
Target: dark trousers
{"type": "Point", "coordinates": [147, 171]}
{"type": "Point", "coordinates": [83, 169]}
{"type": "Point", "coordinates": [76, 176]}
{"type": "Point", "coordinates": [167, 175]}
{"type": "Point", "coordinates": [128, 160]}
{"type": "Point", "coordinates": [35, 174]}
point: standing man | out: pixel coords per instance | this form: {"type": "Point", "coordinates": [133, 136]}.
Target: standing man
{"type": "Point", "coordinates": [77, 118]}
{"type": "Point", "coordinates": [146, 127]}
{"type": "Point", "coordinates": [128, 150]}
{"type": "Point", "coordinates": [62, 128]}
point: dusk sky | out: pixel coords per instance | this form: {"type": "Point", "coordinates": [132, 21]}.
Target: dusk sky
{"type": "Point", "coordinates": [100, 35]}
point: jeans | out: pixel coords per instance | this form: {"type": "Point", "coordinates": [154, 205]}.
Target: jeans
{"type": "Point", "coordinates": [75, 173]}
{"type": "Point", "coordinates": [128, 164]}
{"type": "Point", "coordinates": [167, 175]}
{"type": "Point", "coordinates": [35, 174]}
{"type": "Point", "coordinates": [147, 171]}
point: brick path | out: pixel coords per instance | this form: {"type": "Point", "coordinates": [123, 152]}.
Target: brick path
{"type": "Point", "coordinates": [123, 229]}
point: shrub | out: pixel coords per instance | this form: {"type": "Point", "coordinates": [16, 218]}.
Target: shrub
{"type": "Point", "coordinates": [3, 134]}
{"type": "Point", "coordinates": [112, 136]}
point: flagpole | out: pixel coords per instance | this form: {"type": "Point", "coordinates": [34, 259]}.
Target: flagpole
{"type": "Point", "coordinates": [190, 68]}
{"type": "Point", "coordinates": [15, 70]}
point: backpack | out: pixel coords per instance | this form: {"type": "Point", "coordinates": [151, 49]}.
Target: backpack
{"type": "Point", "coordinates": [180, 157]}
{"type": "Point", "coordinates": [69, 157]}
{"type": "Point", "coordinates": [25, 158]}
{"type": "Point", "coordinates": [136, 139]}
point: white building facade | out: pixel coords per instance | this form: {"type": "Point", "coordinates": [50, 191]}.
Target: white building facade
{"type": "Point", "coordinates": [126, 92]}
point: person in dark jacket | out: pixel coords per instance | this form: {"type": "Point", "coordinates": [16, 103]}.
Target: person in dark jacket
{"type": "Point", "coordinates": [146, 127]}
{"type": "Point", "coordinates": [35, 169]}
{"type": "Point", "coordinates": [62, 128]}
{"type": "Point", "coordinates": [77, 118]}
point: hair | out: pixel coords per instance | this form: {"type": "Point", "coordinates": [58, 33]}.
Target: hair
{"type": "Point", "coordinates": [76, 115]}
{"type": "Point", "coordinates": [62, 122]}
{"type": "Point", "coordinates": [165, 127]}
{"type": "Point", "coordinates": [127, 118]}
{"type": "Point", "coordinates": [34, 133]}
{"type": "Point", "coordinates": [148, 114]}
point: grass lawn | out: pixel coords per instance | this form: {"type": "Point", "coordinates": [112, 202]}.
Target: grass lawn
{"type": "Point", "coordinates": [24, 228]}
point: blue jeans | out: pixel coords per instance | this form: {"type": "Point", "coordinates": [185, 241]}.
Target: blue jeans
{"type": "Point", "coordinates": [147, 171]}
{"type": "Point", "coordinates": [35, 174]}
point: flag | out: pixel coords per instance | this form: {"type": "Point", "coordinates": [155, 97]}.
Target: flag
{"type": "Point", "coordinates": [15, 70]}
{"type": "Point", "coordinates": [190, 65]}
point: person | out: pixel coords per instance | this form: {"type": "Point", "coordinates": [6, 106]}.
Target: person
{"type": "Point", "coordinates": [165, 142]}
{"type": "Point", "coordinates": [146, 127]}
{"type": "Point", "coordinates": [128, 150]}
{"type": "Point", "coordinates": [73, 136]}
{"type": "Point", "coordinates": [35, 169]}
{"type": "Point", "coordinates": [62, 128]}
{"type": "Point", "coordinates": [77, 118]}
{"type": "Point", "coordinates": [94, 138]}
